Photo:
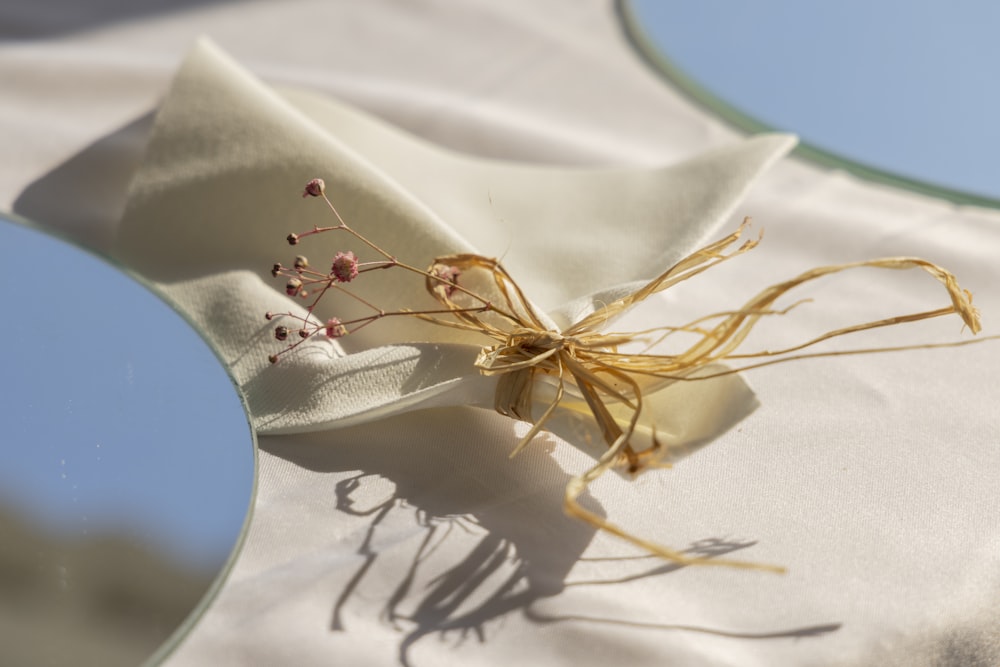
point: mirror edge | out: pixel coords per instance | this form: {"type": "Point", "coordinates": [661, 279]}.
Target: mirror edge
{"type": "Point", "coordinates": [173, 641]}
{"type": "Point", "coordinates": [658, 61]}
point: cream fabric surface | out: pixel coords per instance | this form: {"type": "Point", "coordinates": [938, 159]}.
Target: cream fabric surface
{"type": "Point", "coordinates": [413, 538]}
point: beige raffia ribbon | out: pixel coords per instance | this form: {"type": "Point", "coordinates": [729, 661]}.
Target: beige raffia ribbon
{"type": "Point", "coordinates": [585, 364]}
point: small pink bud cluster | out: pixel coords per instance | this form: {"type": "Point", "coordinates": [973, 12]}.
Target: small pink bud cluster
{"type": "Point", "coordinates": [344, 267]}
{"type": "Point", "coordinates": [335, 328]}
{"type": "Point", "coordinates": [314, 188]}
{"type": "Point", "coordinates": [447, 277]}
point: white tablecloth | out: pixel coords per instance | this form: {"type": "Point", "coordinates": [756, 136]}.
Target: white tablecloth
{"type": "Point", "coordinates": [872, 479]}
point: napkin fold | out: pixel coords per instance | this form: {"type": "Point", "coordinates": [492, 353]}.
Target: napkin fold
{"type": "Point", "coordinates": [218, 191]}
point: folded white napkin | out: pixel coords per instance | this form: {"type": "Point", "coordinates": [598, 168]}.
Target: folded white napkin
{"type": "Point", "coordinates": [219, 190]}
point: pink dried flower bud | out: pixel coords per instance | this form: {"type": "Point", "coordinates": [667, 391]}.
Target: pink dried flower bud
{"type": "Point", "coordinates": [303, 333]}
{"type": "Point", "coordinates": [269, 315]}
{"type": "Point", "coordinates": [301, 262]}
{"type": "Point", "coordinates": [273, 358]}
{"type": "Point", "coordinates": [281, 333]}
{"type": "Point", "coordinates": [293, 239]}
{"type": "Point", "coordinates": [334, 329]}
{"type": "Point", "coordinates": [345, 267]}
{"type": "Point", "coordinates": [314, 188]}
{"type": "Point", "coordinates": [293, 287]}
{"type": "Point", "coordinates": [275, 270]}
{"type": "Point", "coordinates": [448, 274]}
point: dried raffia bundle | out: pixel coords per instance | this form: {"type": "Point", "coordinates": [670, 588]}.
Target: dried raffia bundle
{"type": "Point", "coordinates": [582, 369]}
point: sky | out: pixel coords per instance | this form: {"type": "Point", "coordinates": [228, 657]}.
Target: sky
{"type": "Point", "coordinates": [905, 86]}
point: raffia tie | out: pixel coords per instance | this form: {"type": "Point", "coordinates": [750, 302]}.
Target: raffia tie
{"type": "Point", "coordinates": [589, 359]}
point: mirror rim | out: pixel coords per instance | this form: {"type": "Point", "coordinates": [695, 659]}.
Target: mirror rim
{"type": "Point", "coordinates": [640, 40]}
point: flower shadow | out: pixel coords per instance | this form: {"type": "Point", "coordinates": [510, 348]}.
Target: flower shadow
{"type": "Point", "coordinates": [506, 541]}
{"type": "Point", "coordinates": [492, 538]}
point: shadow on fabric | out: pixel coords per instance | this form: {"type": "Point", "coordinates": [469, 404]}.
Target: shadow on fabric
{"type": "Point", "coordinates": [25, 19]}
{"type": "Point", "coordinates": [80, 196]}
{"type": "Point", "coordinates": [494, 539]}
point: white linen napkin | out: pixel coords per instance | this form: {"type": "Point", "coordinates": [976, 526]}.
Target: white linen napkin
{"type": "Point", "coordinates": [219, 190]}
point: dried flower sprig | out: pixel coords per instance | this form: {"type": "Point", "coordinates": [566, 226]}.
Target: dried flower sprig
{"type": "Point", "coordinates": [584, 364]}
{"type": "Point", "coordinates": [345, 267]}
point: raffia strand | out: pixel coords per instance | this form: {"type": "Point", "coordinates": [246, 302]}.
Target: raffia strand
{"type": "Point", "coordinates": [588, 360]}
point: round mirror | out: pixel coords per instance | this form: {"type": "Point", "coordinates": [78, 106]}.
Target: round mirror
{"type": "Point", "coordinates": [903, 88]}
{"type": "Point", "coordinates": [128, 461]}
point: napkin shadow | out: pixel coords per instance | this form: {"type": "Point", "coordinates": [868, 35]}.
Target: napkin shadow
{"type": "Point", "coordinates": [494, 539]}
{"type": "Point", "coordinates": [507, 540]}
{"type": "Point", "coordinates": [78, 197]}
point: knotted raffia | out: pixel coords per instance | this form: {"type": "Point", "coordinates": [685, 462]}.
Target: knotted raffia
{"type": "Point", "coordinates": [586, 362]}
